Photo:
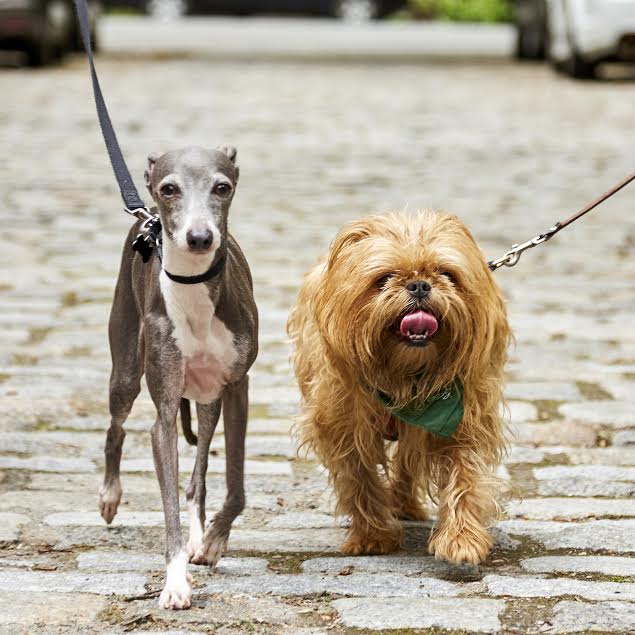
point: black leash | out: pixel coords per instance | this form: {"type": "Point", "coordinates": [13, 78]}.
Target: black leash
{"type": "Point", "coordinates": [511, 258]}
{"type": "Point", "coordinates": [149, 236]}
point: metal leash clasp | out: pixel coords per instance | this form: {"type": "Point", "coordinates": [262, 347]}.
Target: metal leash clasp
{"type": "Point", "coordinates": [511, 257]}
{"type": "Point", "coordinates": [149, 233]}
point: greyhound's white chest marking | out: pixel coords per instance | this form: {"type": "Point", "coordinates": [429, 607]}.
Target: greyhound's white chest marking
{"type": "Point", "coordinates": [206, 344]}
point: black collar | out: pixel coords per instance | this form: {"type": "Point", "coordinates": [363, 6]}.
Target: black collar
{"type": "Point", "coordinates": [215, 268]}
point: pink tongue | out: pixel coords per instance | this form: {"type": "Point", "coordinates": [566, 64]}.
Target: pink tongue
{"type": "Point", "coordinates": [418, 323]}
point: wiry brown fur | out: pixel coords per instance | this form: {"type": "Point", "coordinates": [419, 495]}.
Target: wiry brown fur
{"type": "Point", "coordinates": [343, 328]}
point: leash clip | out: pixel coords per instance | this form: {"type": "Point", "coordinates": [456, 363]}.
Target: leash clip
{"type": "Point", "coordinates": [149, 235]}
{"type": "Point", "coordinates": [142, 213]}
{"type": "Point", "coordinates": [511, 257]}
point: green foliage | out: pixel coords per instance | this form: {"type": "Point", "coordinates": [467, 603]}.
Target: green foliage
{"type": "Point", "coordinates": [463, 10]}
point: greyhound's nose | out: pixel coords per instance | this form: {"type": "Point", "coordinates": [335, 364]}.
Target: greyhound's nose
{"type": "Point", "coordinates": [419, 289]}
{"type": "Point", "coordinates": [199, 240]}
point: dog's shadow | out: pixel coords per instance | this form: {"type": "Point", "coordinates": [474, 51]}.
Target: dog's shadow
{"type": "Point", "coordinates": [416, 537]}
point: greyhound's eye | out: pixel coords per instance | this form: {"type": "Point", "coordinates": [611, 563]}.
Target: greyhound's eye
{"type": "Point", "coordinates": [169, 189]}
{"type": "Point", "coordinates": [222, 189]}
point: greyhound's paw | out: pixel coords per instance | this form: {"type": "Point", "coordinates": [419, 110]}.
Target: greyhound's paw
{"type": "Point", "coordinates": [177, 593]}
{"type": "Point", "coordinates": [209, 552]}
{"type": "Point", "coordinates": [109, 498]}
{"type": "Point", "coordinates": [195, 540]}
{"type": "Point", "coordinates": [176, 596]}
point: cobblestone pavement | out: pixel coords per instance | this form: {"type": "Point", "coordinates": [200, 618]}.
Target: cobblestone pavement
{"type": "Point", "coordinates": [510, 149]}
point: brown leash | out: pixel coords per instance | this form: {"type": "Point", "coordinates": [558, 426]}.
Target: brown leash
{"type": "Point", "coordinates": [512, 257]}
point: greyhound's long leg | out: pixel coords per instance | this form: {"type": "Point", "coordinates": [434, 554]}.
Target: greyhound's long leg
{"type": "Point", "coordinates": [208, 415]}
{"type": "Point", "coordinates": [125, 378]}
{"type": "Point", "coordinates": [235, 406]}
{"type": "Point", "coordinates": [166, 387]}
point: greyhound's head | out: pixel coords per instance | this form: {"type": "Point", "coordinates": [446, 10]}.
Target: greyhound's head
{"type": "Point", "coordinates": [193, 189]}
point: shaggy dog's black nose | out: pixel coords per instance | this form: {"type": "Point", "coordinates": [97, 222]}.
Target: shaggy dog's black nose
{"type": "Point", "coordinates": [418, 289]}
{"type": "Point", "coordinates": [199, 240]}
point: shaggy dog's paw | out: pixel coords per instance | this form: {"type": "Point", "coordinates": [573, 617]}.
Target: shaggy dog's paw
{"type": "Point", "coordinates": [469, 545]}
{"type": "Point", "coordinates": [372, 543]}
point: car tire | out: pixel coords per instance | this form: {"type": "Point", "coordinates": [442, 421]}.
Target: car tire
{"type": "Point", "coordinates": [41, 51]}
{"type": "Point", "coordinates": [357, 11]}
{"type": "Point", "coordinates": [531, 31]}
{"type": "Point", "coordinates": [579, 68]}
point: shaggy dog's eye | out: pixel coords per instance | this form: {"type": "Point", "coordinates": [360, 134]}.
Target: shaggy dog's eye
{"type": "Point", "coordinates": [222, 189]}
{"type": "Point", "coordinates": [450, 277]}
{"type": "Point", "coordinates": [383, 281]}
{"type": "Point", "coordinates": [169, 189]}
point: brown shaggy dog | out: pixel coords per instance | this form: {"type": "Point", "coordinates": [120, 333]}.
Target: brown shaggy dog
{"type": "Point", "coordinates": [405, 305]}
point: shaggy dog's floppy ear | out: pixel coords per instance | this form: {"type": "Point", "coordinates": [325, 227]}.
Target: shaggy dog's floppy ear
{"type": "Point", "coordinates": [349, 235]}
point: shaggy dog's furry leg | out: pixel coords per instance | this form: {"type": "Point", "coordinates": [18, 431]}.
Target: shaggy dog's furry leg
{"type": "Point", "coordinates": [466, 506]}
{"type": "Point", "coordinates": [408, 473]}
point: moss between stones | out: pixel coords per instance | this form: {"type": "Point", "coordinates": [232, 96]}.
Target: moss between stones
{"type": "Point", "coordinates": [22, 359]}
{"type": "Point", "coordinates": [548, 409]}
{"type": "Point", "coordinates": [38, 333]}
{"type": "Point", "coordinates": [4, 377]}
{"type": "Point", "coordinates": [593, 391]}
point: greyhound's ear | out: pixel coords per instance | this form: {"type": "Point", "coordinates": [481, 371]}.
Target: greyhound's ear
{"type": "Point", "coordinates": [147, 174]}
{"type": "Point", "coordinates": [230, 151]}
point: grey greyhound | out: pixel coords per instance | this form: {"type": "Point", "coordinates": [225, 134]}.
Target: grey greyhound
{"type": "Point", "coordinates": [193, 341]}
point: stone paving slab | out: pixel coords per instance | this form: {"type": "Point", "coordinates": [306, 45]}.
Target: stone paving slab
{"type": "Point", "coordinates": [374, 585]}
{"type": "Point", "coordinates": [608, 565]}
{"type": "Point", "coordinates": [605, 617]}
{"type": "Point", "coordinates": [531, 587]}
{"type": "Point", "coordinates": [475, 616]}
{"type": "Point", "coordinates": [70, 582]}
{"type": "Point", "coordinates": [597, 535]}
{"type": "Point", "coordinates": [47, 610]}
{"type": "Point", "coordinates": [570, 509]}
{"type": "Point", "coordinates": [10, 524]}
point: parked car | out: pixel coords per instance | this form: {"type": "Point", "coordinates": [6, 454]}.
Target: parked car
{"type": "Point", "coordinates": [350, 10]}
{"type": "Point", "coordinates": [44, 29]}
{"type": "Point", "coordinates": [576, 35]}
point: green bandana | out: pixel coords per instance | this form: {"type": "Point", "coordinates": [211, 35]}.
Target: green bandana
{"type": "Point", "coordinates": [439, 414]}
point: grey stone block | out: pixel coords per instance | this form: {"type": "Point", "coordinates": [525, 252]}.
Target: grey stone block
{"type": "Point", "coordinates": [570, 508]}
{"type": "Point", "coordinates": [532, 587]}
{"type": "Point", "coordinates": [378, 585]}
{"type": "Point", "coordinates": [607, 565]}
{"type": "Point", "coordinates": [10, 524]}
{"type": "Point", "coordinates": [605, 617]}
{"type": "Point", "coordinates": [73, 582]}
{"type": "Point", "coordinates": [616, 414]}
{"type": "Point", "coordinates": [471, 615]}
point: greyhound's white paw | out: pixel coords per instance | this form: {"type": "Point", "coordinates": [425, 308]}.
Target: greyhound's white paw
{"type": "Point", "coordinates": [109, 498]}
{"type": "Point", "coordinates": [177, 593]}
{"type": "Point", "coordinates": [196, 532]}
{"type": "Point", "coordinates": [209, 552]}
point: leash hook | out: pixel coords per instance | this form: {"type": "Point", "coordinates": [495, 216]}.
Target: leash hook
{"type": "Point", "coordinates": [511, 257]}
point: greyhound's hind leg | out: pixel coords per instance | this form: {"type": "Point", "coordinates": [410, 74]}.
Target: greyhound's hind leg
{"type": "Point", "coordinates": [208, 415]}
{"type": "Point", "coordinates": [235, 406]}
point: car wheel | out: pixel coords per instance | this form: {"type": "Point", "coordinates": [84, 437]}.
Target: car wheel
{"type": "Point", "coordinates": [531, 30]}
{"type": "Point", "coordinates": [356, 11]}
{"type": "Point", "coordinates": [41, 52]}
{"type": "Point", "coordinates": [579, 68]}
{"type": "Point", "coordinates": [167, 9]}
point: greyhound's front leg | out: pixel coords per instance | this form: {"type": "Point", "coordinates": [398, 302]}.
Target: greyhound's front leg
{"type": "Point", "coordinates": [166, 394]}
{"type": "Point", "coordinates": [235, 406]}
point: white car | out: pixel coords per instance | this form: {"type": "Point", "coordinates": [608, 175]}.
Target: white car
{"type": "Point", "coordinates": [582, 33]}
{"type": "Point", "coordinates": [575, 35]}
